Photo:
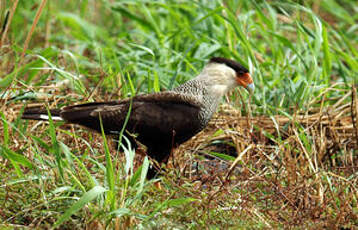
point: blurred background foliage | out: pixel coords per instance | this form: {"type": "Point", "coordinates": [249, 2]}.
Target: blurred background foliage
{"type": "Point", "coordinates": [294, 51]}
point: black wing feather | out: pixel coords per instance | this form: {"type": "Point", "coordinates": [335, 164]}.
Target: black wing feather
{"type": "Point", "coordinates": [159, 119]}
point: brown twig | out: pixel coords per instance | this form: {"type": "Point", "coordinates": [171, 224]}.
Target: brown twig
{"type": "Point", "coordinates": [354, 112]}
{"type": "Point", "coordinates": [29, 35]}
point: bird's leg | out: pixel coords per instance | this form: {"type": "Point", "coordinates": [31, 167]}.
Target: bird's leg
{"type": "Point", "coordinates": [172, 150]}
{"type": "Point", "coordinates": [159, 155]}
{"type": "Point", "coordinates": [155, 170]}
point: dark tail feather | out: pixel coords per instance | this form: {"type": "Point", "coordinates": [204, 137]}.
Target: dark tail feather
{"type": "Point", "coordinates": [40, 113]}
{"type": "Point", "coordinates": [75, 113]}
{"type": "Point", "coordinates": [81, 114]}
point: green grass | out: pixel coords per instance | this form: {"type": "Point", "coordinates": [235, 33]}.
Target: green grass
{"type": "Point", "coordinates": [100, 50]}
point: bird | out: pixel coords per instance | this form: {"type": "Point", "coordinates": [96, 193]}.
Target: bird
{"type": "Point", "coordinates": [160, 121]}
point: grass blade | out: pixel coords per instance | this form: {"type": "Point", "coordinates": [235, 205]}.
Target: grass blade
{"type": "Point", "coordinates": [109, 169]}
{"type": "Point", "coordinates": [85, 199]}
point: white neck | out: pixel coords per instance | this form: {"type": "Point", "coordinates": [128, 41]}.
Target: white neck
{"type": "Point", "coordinates": [218, 79]}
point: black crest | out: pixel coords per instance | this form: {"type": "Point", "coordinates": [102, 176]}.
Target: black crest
{"type": "Point", "coordinates": [239, 69]}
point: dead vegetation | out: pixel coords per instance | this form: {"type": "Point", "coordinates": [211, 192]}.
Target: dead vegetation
{"type": "Point", "coordinates": [285, 170]}
{"type": "Point", "coordinates": [290, 170]}
{"type": "Point", "coordinates": [296, 170]}
{"type": "Point", "coordinates": [282, 170]}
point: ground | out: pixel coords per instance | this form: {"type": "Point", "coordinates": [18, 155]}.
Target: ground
{"type": "Point", "coordinates": [283, 158]}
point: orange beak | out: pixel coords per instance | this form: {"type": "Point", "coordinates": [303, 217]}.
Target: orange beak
{"type": "Point", "coordinates": [245, 80]}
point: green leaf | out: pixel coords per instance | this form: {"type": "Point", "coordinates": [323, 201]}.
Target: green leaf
{"type": "Point", "coordinates": [109, 169]}
{"type": "Point", "coordinates": [6, 81]}
{"type": "Point", "coordinates": [121, 212]}
{"type": "Point", "coordinates": [222, 156]}
{"type": "Point", "coordinates": [179, 201]}
{"type": "Point", "coordinates": [144, 22]}
{"type": "Point", "coordinates": [143, 174]}
{"type": "Point", "coordinates": [336, 8]}
{"type": "Point", "coordinates": [80, 28]}
{"type": "Point", "coordinates": [5, 129]}
{"type": "Point", "coordinates": [11, 155]}
{"type": "Point", "coordinates": [55, 145]}
{"type": "Point", "coordinates": [131, 84]}
{"type": "Point", "coordinates": [156, 85]}
{"type": "Point", "coordinates": [146, 49]}
{"type": "Point", "coordinates": [85, 199]}
{"type": "Point", "coordinates": [327, 63]}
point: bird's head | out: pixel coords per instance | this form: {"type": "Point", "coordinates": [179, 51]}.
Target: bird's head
{"type": "Point", "coordinates": [223, 74]}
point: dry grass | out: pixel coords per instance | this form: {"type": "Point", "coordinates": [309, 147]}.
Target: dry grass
{"type": "Point", "coordinates": [295, 170]}
{"type": "Point", "coordinates": [298, 171]}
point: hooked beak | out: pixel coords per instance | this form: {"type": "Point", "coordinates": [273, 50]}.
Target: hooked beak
{"type": "Point", "coordinates": [251, 88]}
{"type": "Point", "coordinates": [245, 80]}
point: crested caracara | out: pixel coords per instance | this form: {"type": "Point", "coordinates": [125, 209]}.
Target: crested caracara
{"type": "Point", "coordinates": [160, 121]}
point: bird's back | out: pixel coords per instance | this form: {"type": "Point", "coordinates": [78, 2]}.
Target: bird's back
{"type": "Point", "coordinates": [154, 118]}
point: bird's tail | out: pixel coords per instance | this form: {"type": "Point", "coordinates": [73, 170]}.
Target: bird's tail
{"type": "Point", "coordinates": [40, 113]}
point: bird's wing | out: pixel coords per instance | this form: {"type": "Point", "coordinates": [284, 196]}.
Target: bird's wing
{"type": "Point", "coordinates": [152, 116]}
{"type": "Point", "coordinates": [168, 96]}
